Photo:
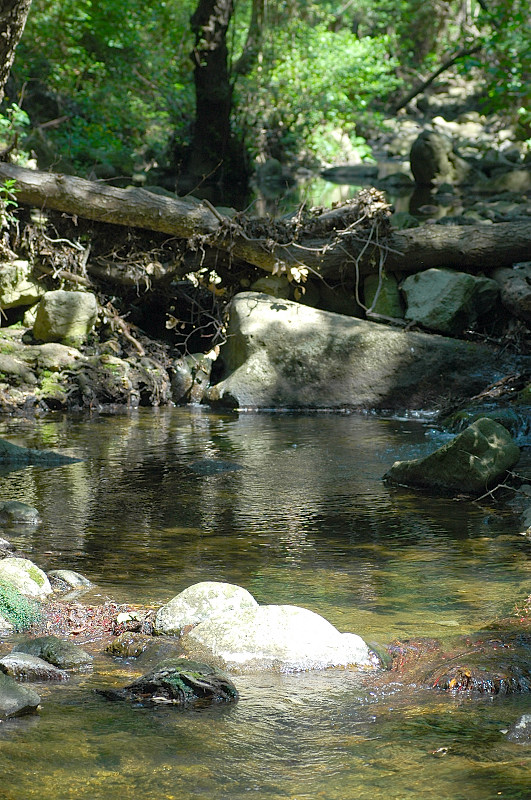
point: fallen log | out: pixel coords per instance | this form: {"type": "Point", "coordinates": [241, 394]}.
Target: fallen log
{"type": "Point", "coordinates": [353, 238]}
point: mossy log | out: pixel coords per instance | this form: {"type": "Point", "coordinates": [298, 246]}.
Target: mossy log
{"type": "Point", "coordinates": [331, 245]}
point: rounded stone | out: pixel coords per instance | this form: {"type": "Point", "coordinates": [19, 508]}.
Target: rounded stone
{"type": "Point", "coordinates": [200, 602]}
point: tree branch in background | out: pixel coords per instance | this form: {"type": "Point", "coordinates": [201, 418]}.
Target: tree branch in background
{"type": "Point", "coordinates": [462, 53]}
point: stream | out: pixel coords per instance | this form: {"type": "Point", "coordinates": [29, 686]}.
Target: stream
{"type": "Point", "coordinates": [302, 518]}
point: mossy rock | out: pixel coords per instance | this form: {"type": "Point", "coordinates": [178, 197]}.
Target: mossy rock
{"type": "Point", "coordinates": [471, 462]}
{"type": "Point", "coordinates": [179, 682]}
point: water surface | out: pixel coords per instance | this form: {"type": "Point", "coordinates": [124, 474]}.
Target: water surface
{"type": "Point", "coordinates": [293, 508]}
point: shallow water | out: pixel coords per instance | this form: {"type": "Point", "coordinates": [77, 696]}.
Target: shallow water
{"type": "Point", "coordinates": [307, 520]}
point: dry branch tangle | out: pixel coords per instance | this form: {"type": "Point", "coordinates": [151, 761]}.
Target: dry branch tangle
{"type": "Point", "coordinates": [471, 248]}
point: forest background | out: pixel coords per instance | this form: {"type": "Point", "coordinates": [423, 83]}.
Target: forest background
{"type": "Point", "coordinates": [182, 92]}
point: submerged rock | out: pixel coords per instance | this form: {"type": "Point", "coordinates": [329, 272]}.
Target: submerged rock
{"type": "Point", "coordinates": [14, 511]}
{"type": "Point", "coordinates": [200, 602]}
{"type": "Point", "coordinates": [129, 645]}
{"type": "Point", "coordinates": [13, 454]}
{"type": "Point", "coordinates": [25, 667]}
{"type": "Point", "coordinates": [281, 354]}
{"type": "Point", "coordinates": [16, 700]}
{"type": "Point", "coordinates": [214, 466]}
{"type": "Point", "coordinates": [62, 654]}
{"type": "Point", "coordinates": [471, 462]}
{"type": "Point", "coordinates": [281, 638]}
{"type": "Point", "coordinates": [178, 682]}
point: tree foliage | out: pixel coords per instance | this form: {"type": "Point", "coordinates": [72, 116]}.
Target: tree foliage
{"type": "Point", "coordinates": [110, 85]}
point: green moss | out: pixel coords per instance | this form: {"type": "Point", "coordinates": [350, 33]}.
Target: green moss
{"type": "Point", "coordinates": [36, 576]}
{"type": "Point", "coordinates": [17, 609]}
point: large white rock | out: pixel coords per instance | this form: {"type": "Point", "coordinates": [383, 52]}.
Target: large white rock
{"type": "Point", "coordinates": [281, 354]}
{"type": "Point", "coordinates": [25, 576]}
{"type": "Point", "coordinates": [202, 601]}
{"type": "Point", "coordinates": [283, 638]}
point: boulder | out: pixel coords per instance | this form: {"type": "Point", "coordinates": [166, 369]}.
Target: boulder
{"type": "Point", "coordinates": [18, 287]}
{"type": "Point", "coordinates": [13, 511]}
{"type": "Point", "coordinates": [433, 160]}
{"type": "Point", "coordinates": [474, 460]}
{"type": "Point", "coordinates": [178, 682]}
{"type": "Point", "coordinates": [447, 301]}
{"type": "Point", "coordinates": [26, 577]}
{"type": "Point", "coordinates": [515, 289]}
{"type": "Point", "coordinates": [25, 667]}
{"type": "Point", "coordinates": [62, 654]}
{"type": "Point", "coordinates": [282, 638]}
{"type": "Point", "coordinates": [281, 354]}
{"type": "Point", "coordinates": [66, 317]}
{"type": "Point", "coordinates": [16, 700]}
{"type": "Point", "coordinates": [199, 602]}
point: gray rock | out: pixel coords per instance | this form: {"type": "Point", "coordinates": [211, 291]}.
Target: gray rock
{"type": "Point", "coordinates": [15, 370]}
{"type": "Point", "coordinates": [471, 462]}
{"type": "Point", "coordinates": [521, 730]}
{"type": "Point", "coordinates": [66, 317]}
{"type": "Point", "coordinates": [18, 287]}
{"type": "Point", "coordinates": [26, 577]}
{"type": "Point", "coordinates": [14, 511]}
{"type": "Point", "coordinates": [447, 301]}
{"type": "Point", "coordinates": [199, 602]}
{"type": "Point", "coordinates": [433, 160]}
{"type": "Point", "coordinates": [281, 354]}
{"type": "Point", "coordinates": [16, 700]}
{"type": "Point", "coordinates": [65, 579]}
{"type": "Point", "coordinates": [62, 654]}
{"type": "Point", "coordinates": [25, 667]}
{"type": "Point", "coordinates": [515, 289]}
{"type": "Point", "coordinates": [279, 638]}
{"type": "Point", "coordinates": [178, 682]}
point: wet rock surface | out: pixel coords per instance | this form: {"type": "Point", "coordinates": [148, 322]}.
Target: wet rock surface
{"type": "Point", "coordinates": [494, 661]}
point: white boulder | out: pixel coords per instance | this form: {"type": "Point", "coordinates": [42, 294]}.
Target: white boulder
{"type": "Point", "coordinates": [282, 638]}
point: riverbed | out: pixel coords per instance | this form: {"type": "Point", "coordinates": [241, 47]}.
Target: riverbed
{"type": "Point", "coordinates": [293, 508]}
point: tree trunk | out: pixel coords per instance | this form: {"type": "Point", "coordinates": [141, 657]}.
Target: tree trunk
{"type": "Point", "coordinates": [13, 15]}
{"type": "Point", "coordinates": [332, 246]}
{"type": "Point", "coordinates": [212, 150]}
